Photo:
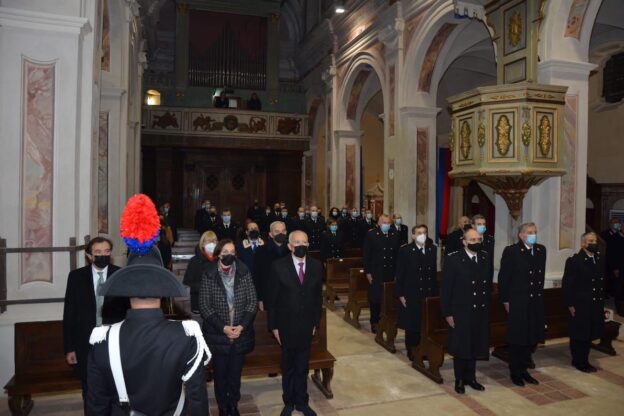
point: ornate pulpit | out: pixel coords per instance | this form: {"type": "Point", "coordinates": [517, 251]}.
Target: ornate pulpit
{"type": "Point", "coordinates": [508, 137]}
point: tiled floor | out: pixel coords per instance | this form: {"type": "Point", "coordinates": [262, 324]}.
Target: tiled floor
{"type": "Point", "coordinates": [370, 381]}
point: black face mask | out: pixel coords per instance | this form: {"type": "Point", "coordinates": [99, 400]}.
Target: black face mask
{"type": "Point", "coordinates": [101, 261]}
{"type": "Point", "coordinates": [227, 259]}
{"type": "Point", "coordinates": [213, 214]}
{"type": "Point", "coordinates": [254, 234]}
{"type": "Point", "coordinates": [280, 238]}
{"type": "Point", "coordinates": [476, 247]}
{"type": "Point", "coordinates": [592, 248]}
{"type": "Point", "coordinates": [300, 251]}
{"type": "Point", "coordinates": [467, 227]}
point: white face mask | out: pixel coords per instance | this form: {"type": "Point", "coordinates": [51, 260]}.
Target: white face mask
{"type": "Point", "coordinates": [421, 238]}
{"type": "Point", "coordinates": [209, 247]}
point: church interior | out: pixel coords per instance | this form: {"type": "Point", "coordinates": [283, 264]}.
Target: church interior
{"type": "Point", "coordinates": [429, 109]}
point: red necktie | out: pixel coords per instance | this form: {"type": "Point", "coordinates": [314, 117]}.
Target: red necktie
{"type": "Point", "coordinates": [301, 273]}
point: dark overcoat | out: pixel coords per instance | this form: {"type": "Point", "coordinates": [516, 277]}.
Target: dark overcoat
{"type": "Point", "coordinates": [521, 283]}
{"type": "Point", "coordinates": [465, 291]}
{"type": "Point", "coordinates": [332, 245]}
{"type": "Point", "coordinates": [379, 258]}
{"type": "Point", "coordinates": [415, 280]}
{"type": "Point", "coordinates": [583, 287]}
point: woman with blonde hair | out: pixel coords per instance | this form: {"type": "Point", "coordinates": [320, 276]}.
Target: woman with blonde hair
{"type": "Point", "coordinates": [203, 258]}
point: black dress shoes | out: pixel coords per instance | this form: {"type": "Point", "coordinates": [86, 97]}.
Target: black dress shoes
{"type": "Point", "coordinates": [476, 386]}
{"type": "Point", "coordinates": [306, 410]}
{"type": "Point", "coordinates": [223, 412]}
{"type": "Point", "coordinates": [374, 328]}
{"type": "Point", "coordinates": [459, 387]}
{"type": "Point", "coordinates": [410, 354]}
{"type": "Point", "coordinates": [527, 377]}
{"type": "Point", "coordinates": [517, 381]}
{"type": "Point", "coordinates": [582, 368]}
{"type": "Point", "coordinates": [287, 410]}
{"type": "Point", "coordinates": [233, 411]}
{"type": "Point", "coordinates": [591, 368]}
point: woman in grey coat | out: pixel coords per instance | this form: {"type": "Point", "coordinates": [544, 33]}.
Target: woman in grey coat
{"type": "Point", "coordinates": [228, 304]}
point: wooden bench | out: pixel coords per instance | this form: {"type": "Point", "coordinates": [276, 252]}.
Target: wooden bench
{"type": "Point", "coordinates": [434, 331]}
{"type": "Point", "coordinates": [358, 297]}
{"type": "Point", "coordinates": [352, 252]}
{"type": "Point", "coordinates": [266, 356]}
{"type": "Point", "coordinates": [387, 330]}
{"type": "Point", "coordinates": [40, 365]}
{"type": "Point", "coordinates": [338, 278]}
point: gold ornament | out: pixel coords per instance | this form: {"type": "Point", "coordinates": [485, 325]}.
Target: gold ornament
{"type": "Point", "coordinates": [452, 138]}
{"type": "Point", "coordinates": [481, 134]}
{"type": "Point", "coordinates": [465, 145]}
{"type": "Point", "coordinates": [544, 134]}
{"type": "Point", "coordinates": [514, 31]}
{"type": "Point", "coordinates": [503, 141]}
{"type": "Point", "coordinates": [526, 134]}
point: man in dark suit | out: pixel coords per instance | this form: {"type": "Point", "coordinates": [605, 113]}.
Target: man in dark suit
{"type": "Point", "coordinates": [465, 301]}
{"type": "Point", "coordinates": [379, 258]}
{"type": "Point", "coordinates": [521, 287]}
{"type": "Point", "coordinates": [614, 239]}
{"type": "Point", "coordinates": [365, 225]}
{"type": "Point", "coordinates": [254, 212]}
{"type": "Point", "coordinates": [298, 223]}
{"type": "Point", "coordinates": [294, 312]}
{"type": "Point", "coordinates": [332, 242]}
{"type": "Point", "coordinates": [202, 217]}
{"type": "Point", "coordinates": [227, 229]}
{"type": "Point", "coordinates": [454, 240]}
{"type": "Point", "coordinates": [274, 248]}
{"type": "Point", "coordinates": [478, 223]}
{"type": "Point", "coordinates": [584, 293]}
{"type": "Point", "coordinates": [415, 280]}
{"type": "Point", "coordinates": [214, 222]}
{"type": "Point", "coordinates": [83, 310]}
{"type": "Point", "coordinates": [250, 247]}
{"type": "Point", "coordinates": [400, 228]}
{"type": "Point", "coordinates": [314, 228]}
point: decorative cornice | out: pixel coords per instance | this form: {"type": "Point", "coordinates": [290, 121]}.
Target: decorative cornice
{"type": "Point", "coordinates": [469, 9]}
{"type": "Point", "coordinates": [38, 21]}
{"type": "Point", "coordinates": [570, 67]}
{"type": "Point", "coordinates": [112, 92]}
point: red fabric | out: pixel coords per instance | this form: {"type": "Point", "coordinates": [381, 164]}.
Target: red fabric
{"type": "Point", "coordinates": [206, 29]}
{"type": "Point", "coordinates": [446, 200]}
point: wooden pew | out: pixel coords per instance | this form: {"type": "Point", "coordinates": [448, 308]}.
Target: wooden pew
{"type": "Point", "coordinates": [387, 330]}
{"type": "Point", "coordinates": [358, 297]}
{"type": "Point", "coordinates": [434, 331]}
{"type": "Point", "coordinates": [39, 365]}
{"type": "Point", "coordinates": [352, 252]}
{"type": "Point", "coordinates": [338, 278]}
{"type": "Point", "coordinates": [265, 358]}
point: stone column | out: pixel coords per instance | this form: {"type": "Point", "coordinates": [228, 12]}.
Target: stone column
{"type": "Point", "coordinates": [346, 176]}
{"type": "Point", "coordinates": [557, 205]}
{"type": "Point", "coordinates": [415, 166]}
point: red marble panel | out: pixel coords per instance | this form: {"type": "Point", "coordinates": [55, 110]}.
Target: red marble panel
{"type": "Point", "coordinates": [568, 181]}
{"type": "Point", "coordinates": [356, 91]}
{"type": "Point", "coordinates": [103, 174]}
{"type": "Point", "coordinates": [431, 57]}
{"type": "Point", "coordinates": [350, 164]}
{"type": "Point", "coordinates": [37, 169]}
{"type": "Point", "coordinates": [105, 38]}
{"type": "Point", "coordinates": [422, 174]}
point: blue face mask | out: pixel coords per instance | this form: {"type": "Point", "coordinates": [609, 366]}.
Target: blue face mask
{"type": "Point", "coordinates": [398, 221]}
{"type": "Point", "coordinates": [369, 215]}
{"type": "Point", "coordinates": [617, 226]}
{"type": "Point", "coordinates": [314, 214]}
{"type": "Point", "coordinates": [354, 214]}
{"type": "Point", "coordinates": [284, 214]}
{"type": "Point", "coordinates": [385, 228]}
{"type": "Point", "coordinates": [333, 228]}
{"type": "Point", "coordinates": [481, 229]}
{"type": "Point", "coordinates": [226, 218]}
{"type": "Point", "coordinates": [301, 215]}
{"type": "Point", "coordinates": [531, 239]}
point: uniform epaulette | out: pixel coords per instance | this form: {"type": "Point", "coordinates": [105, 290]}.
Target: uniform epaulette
{"type": "Point", "coordinates": [405, 245]}
{"type": "Point", "coordinates": [452, 252]}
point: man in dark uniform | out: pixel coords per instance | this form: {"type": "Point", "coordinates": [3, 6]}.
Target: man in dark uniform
{"type": "Point", "coordinates": [202, 217]}
{"type": "Point", "coordinates": [332, 242]}
{"type": "Point", "coordinates": [583, 294]}
{"type": "Point", "coordinates": [265, 221]}
{"type": "Point", "coordinates": [614, 239]}
{"type": "Point", "coordinates": [353, 236]}
{"type": "Point", "coordinates": [298, 223]}
{"type": "Point", "coordinates": [250, 247]}
{"type": "Point", "coordinates": [379, 257]}
{"type": "Point", "coordinates": [151, 357]}
{"type": "Point", "coordinates": [314, 228]}
{"type": "Point", "coordinates": [294, 313]}
{"type": "Point", "coordinates": [454, 240]}
{"type": "Point", "coordinates": [400, 228]}
{"type": "Point", "coordinates": [276, 214]}
{"type": "Point", "coordinates": [465, 300]}
{"type": "Point", "coordinates": [227, 229]}
{"type": "Point", "coordinates": [274, 248]}
{"type": "Point", "coordinates": [478, 222]}
{"type": "Point", "coordinates": [254, 212]}
{"type": "Point", "coordinates": [367, 224]}
{"type": "Point", "coordinates": [521, 286]}
{"type": "Point", "coordinates": [415, 280]}
{"type": "Point", "coordinates": [214, 221]}
{"type": "Point", "coordinates": [286, 219]}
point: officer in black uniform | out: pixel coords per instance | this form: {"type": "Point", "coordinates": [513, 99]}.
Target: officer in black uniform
{"type": "Point", "coordinates": [213, 222]}
{"type": "Point", "coordinates": [454, 240]}
{"type": "Point", "coordinates": [478, 222]}
{"type": "Point", "coordinates": [465, 291]}
{"type": "Point", "coordinates": [353, 236]}
{"type": "Point", "coordinates": [584, 293]}
{"type": "Point", "coordinates": [314, 228]}
{"type": "Point", "coordinates": [366, 224]}
{"type": "Point", "coordinates": [156, 356]}
{"type": "Point", "coordinates": [298, 223]}
{"type": "Point", "coordinates": [332, 242]}
{"type": "Point", "coordinates": [379, 258]}
{"type": "Point", "coordinates": [227, 229]}
{"type": "Point", "coordinates": [521, 286]}
{"type": "Point", "coordinates": [415, 280]}
{"type": "Point", "coordinates": [400, 228]}
{"type": "Point", "coordinates": [202, 217]}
